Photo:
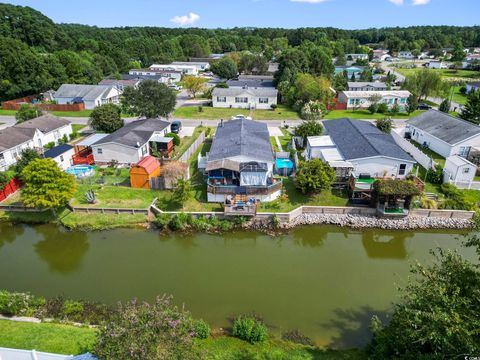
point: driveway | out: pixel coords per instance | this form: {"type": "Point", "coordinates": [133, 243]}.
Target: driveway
{"type": "Point", "coordinates": [186, 131]}
{"type": "Point", "coordinates": [275, 131]}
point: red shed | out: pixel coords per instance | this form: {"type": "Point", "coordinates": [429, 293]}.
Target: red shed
{"type": "Point", "coordinates": [143, 171]}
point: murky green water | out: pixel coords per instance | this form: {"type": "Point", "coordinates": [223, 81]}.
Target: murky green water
{"type": "Point", "coordinates": [325, 281]}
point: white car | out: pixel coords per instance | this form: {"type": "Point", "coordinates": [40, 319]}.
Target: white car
{"type": "Point", "coordinates": [239, 117]}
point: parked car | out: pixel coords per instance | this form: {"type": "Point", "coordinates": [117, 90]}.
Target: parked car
{"type": "Point", "coordinates": [241, 117]}
{"type": "Point", "coordinates": [423, 106]}
{"type": "Point", "coordinates": [175, 87]}
{"type": "Point", "coordinates": [176, 126]}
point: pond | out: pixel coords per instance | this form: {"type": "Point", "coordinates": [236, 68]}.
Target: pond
{"type": "Point", "coordinates": [325, 281]}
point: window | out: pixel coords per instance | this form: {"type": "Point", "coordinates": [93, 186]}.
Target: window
{"type": "Point", "coordinates": [144, 150]}
{"type": "Point", "coordinates": [263, 100]}
{"type": "Point", "coordinates": [402, 170]}
{"type": "Point", "coordinates": [99, 151]}
{"type": "Point", "coordinates": [463, 151]}
{"type": "Point", "coordinates": [61, 158]}
{"type": "Point", "coordinates": [466, 170]}
{"type": "Point", "coordinates": [241, 100]}
{"type": "Point", "coordinates": [221, 99]}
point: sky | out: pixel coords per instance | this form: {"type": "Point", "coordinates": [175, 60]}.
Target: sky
{"type": "Point", "coordinates": [346, 14]}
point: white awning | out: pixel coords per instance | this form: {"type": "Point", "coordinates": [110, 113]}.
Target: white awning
{"type": "Point", "coordinates": [90, 140]}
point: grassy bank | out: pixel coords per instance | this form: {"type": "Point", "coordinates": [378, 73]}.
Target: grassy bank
{"type": "Point", "coordinates": [365, 114]}
{"type": "Point", "coordinates": [65, 339]}
{"type": "Point", "coordinates": [54, 338]}
{"type": "Point", "coordinates": [445, 73]}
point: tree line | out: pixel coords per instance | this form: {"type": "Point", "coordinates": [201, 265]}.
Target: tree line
{"type": "Point", "coordinates": [52, 54]}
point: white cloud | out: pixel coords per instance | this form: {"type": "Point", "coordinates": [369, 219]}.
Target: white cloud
{"type": "Point", "coordinates": [189, 19]}
{"type": "Point", "coordinates": [420, 2]}
{"type": "Point", "coordinates": [396, 2]}
{"type": "Point", "coordinates": [309, 1]}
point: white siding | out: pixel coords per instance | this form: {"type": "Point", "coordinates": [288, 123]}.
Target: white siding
{"type": "Point", "coordinates": [120, 153]}
{"type": "Point", "coordinates": [253, 102]}
{"type": "Point", "coordinates": [64, 161]}
{"type": "Point", "coordinates": [380, 166]}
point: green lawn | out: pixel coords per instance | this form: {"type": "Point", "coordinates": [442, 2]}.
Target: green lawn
{"type": "Point", "coordinates": [440, 160]}
{"type": "Point", "coordinates": [78, 127]}
{"type": "Point", "coordinates": [96, 221]}
{"type": "Point", "coordinates": [54, 338]}
{"type": "Point", "coordinates": [458, 97]}
{"type": "Point", "coordinates": [296, 199]}
{"type": "Point", "coordinates": [8, 112]}
{"type": "Point", "coordinates": [445, 73]}
{"type": "Point", "coordinates": [187, 141]}
{"type": "Point", "coordinates": [229, 348]}
{"type": "Point", "coordinates": [84, 113]}
{"type": "Point", "coordinates": [365, 114]}
{"type": "Point", "coordinates": [191, 112]}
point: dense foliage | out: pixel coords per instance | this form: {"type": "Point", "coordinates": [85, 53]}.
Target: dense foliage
{"type": "Point", "coordinates": [471, 111]}
{"type": "Point", "coordinates": [46, 186]}
{"type": "Point", "coordinates": [249, 328]}
{"type": "Point", "coordinates": [56, 53]}
{"type": "Point", "coordinates": [438, 316]}
{"type": "Point", "coordinates": [151, 100]}
{"type": "Point", "coordinates": [384, 125]}
{"type": "Point", "coordinates": [313, 176]}
{"type": "Point", "coordinates": [309, 128]}
{"type": "Point", "coordinates": [140, 331]}
{"type": "Point", "coordinates": [26, 112]}
{"type": "Point", "coordinates": [106, 118]}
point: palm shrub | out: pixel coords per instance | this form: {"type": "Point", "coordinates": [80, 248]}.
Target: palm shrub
{"type": "Point", "coordinates": [250, 329]}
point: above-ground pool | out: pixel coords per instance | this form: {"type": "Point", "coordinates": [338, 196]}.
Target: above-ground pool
{"type": "Point", "coordinates": [284, 166]}
{"type": "Point", "coordinates": [80, 170]}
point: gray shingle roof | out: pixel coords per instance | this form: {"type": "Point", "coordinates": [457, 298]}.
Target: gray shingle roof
{"type": "Point", "coordinates": [241, 137]}
{"type": "Point", "coordinates": [45, 123]}
{"type": "Point", "coordinates": [450, 129]}
{"type": "Point", "coordinates": [139, 131]}
{"type": "Point", "coordinates": [24, 132]}
{"type": "Point", "coordinates": [360, 84]}
{"type": "Point", "coordinates": [267, 92]}
{"type": "Point", "coordinates": [251, 83]}
{"type": "Point", "coordinates": [357, 139]}
{"type": "Point", "coordinates": [86, 92]}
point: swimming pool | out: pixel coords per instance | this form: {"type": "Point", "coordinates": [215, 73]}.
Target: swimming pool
{"type": "Point", "coordinates": [284, 164]}
{"type": "Point", "coordinates": [80, 170]}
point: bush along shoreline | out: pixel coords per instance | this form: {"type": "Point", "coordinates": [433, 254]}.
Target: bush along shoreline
{"type": "Point", "coordinates": [142, 329]}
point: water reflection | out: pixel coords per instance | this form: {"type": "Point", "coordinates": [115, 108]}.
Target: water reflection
{"type": "Point", "coordinates": [61, 250]}
{"type": "Point", "coordinates": [382, 246]}
{"type": "Point", "coordinates": [9, 232]}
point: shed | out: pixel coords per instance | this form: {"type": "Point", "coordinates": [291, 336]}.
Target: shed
{"type": "Point", "coordinates": [459, 170]}
{"type": "Point", "coordinates": [143, 171]}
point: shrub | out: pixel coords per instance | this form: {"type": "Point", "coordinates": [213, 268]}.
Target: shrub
{"type": "Point", "coordinates": [275, 221]}
{"type": "Point", "coordinates": [179, 221]}
{"type": "Point", "coordinates": [314, 176]}
{"type": "Point", "coordinates": [73, 310]}
{"type": "Point", "coordinates": [382, 108]}
{"type": "Point", "coordinates": [373, 108]}
{"type": "Point", "coordinates": [395, 109]}
{"type": "Point", "coordinates": [384, 125]}
{"type": "Point", "coordinates": [200, 108]}
{"type": "Point", "coordinates": [455, 199]}
{"type": "Point", "coordinates": [5, 178]}
{"type": "Point", "coordinates": [435, 176]}
{"type": "Point", "coordinates": [176, 138]}
{"type": "Point", "coordinates": [273, 106]}
{"type": "Point", "coordinates": [202, 329]}
{"type": "Point", "coordinates": [50, 145]}
{"type": "Point", "coordinates": [19, 304]}
{"type": "Point", "coordinates": [297, 337]}
{"type": "Point", "coordinates": [250, 329]}
{"type": "Point", "coordinates": [162, 220]}
{"type": "Point", "coordinates": [427, 203]}
{"type": "Point", "coordinates": [312, 110]}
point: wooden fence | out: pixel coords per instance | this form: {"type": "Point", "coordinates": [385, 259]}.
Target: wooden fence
{"type": "Point", "coordinates": [10, 188]}
{"type": "Point", "coordinates": [15, 105]}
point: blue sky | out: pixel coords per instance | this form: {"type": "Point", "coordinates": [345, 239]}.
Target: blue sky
{"type": "Point", "coordinates": [347, 14]}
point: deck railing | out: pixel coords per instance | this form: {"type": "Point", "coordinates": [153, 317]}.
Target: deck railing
{"type": "Point", "coordinates": [247, 190]}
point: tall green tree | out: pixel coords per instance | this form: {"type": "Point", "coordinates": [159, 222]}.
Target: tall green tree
{"type": "Point", "coordinates": [309, 128]}
{"type": "Point", "coordinates": [194, 84]}
{"type": "Point", "coordinates": [412, 103]}
{"type": "Point", "coordinates": [106, 118]}
{"type": "Point", "coordinates": [26, 157]}
{"type": "Point", "coordinates": [225, 68]}
{"type": "Point", "coordinates": [314, 176]}
{"type": "Point", "coordinates": [458, 53]}
{"type": "Point", "coordinates": [151, 99]}
{"type": "Point", "coordinates": [438, 314]}
{"type": "Point", "coordinates": [471, 111]}
{"type": "Point", "coordinates": [426, 83]}
{"type": "Point", "coordinates": [445, 106]}
{"type": "Point", "coordinates": [46, 186]}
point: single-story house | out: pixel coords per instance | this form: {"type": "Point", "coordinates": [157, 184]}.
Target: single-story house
{"type": "Point", "coordinates": [31, 134]}
{"type": "Point", "coordinates": [356, 57]}
{"type": "Point", "coordinates": [168, 76]}
{"type": "Point", "coordinates": [91, 95]}
{"type": "Point", "coordinates": [406, 55]}
{"type": "Point", "coordinates": [131, 143]}
{"type": "Point", "coordinates": [362, 99]}
{"type": "Point", "coordinates": [200, 65]}
{"type": "Point", "coordinates": [355, 71]}
{"type": "Point", "coordinates": [459, 170]}
{"type": "Point", "coordinates": [436, 64]}
{"type": "Point", "coordinates": [366, 86]}
{"type": "Point", "coordinates": [62, 155]}
{"type": "Point", "coordinates": [360, 146]}
{"type": "Point", "coordinates": [472, 86]}
{"type": "Point", "coordinates": [444, 134]}
{"type": "Point", "coordinates": [143, 171]}
{"type": "Point", "coordinates": [241, 162]}
{"type": "Point", "coordinates": [122, 83]}
{"type": "Point", "coordinates": [185, 69]}
{"type": "Point", "coordinates": [244, 98]}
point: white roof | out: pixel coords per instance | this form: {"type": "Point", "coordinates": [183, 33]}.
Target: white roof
{"type": "Point", "coordinates": [90, 140]}
{"type": "Point", "coordinates": [321, 141]}
{"type": "Point", "coordinates": [367, 94]}
{"type": "Point", "coordinates": [331, 154]}
{"type": "Point", "coordinates": [459, 161]}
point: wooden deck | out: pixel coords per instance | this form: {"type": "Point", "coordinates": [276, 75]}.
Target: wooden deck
{"type": "Point", "coordinates": [245, 210]}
